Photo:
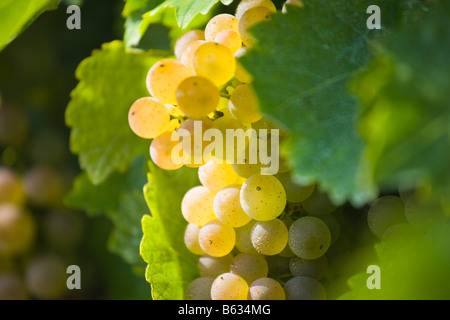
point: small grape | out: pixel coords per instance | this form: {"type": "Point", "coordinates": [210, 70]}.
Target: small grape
{"type": "Point", "coordinates": [216, 176]}
{"type": "Point", "coordinates": [194, 146]}
{"type": "Point", "coordinates": [163, 151]}
{"type": "Point", "coordinates": [269, 237]}
{"type": "Point", "coordinates": [318, 204]}
{"type": "Point", "coordinates": [17, 230]}
{"type": "Point", "coordinates": [266, 289]}
{"type": "Point", "coordinates": [219, 23]}
{"type": "Point", "coordinates": [228, 209]}
{"type": "Point", "coordinates": [244, 166]}
{"type": "Point", "coordinates": [10, 187]}
{"type": "Point", "coordinates": [316, 268]}
{"type": "Point", "coordinates": [229, 286]}
{"type": "Point", "coordinates": [235, 140]}
{"type": "Point", "coordinates": [295, 192]}
{"type": "Point", "coordinates": [230, 39]}
{"type": "Point", "coordinates": [249, 266]}
{"type": "Point", "coordinates": [148, 118]}
{"type": "Point", "coordinates": [245, 5]}
{"type": "Point", "coordinates": [217, 239]}
{"type": "Point", "coordinates": [197, 97]}
{"type": "Point", "coordinates": [197, 206]}
{"type": "Point", "coordinates": [191, 239]}
{"type": "Point", "coordinates": [244, 104]}
{"type": "Point", "coordinates": [250, 18]}
{"type": "Point", "coordinates": [188, 54]}
{"type": "Point", "coordinates": [243, 238]}
{"type": "Point", "coordinates": [241, 73]}
{"type": "Point", "coordinates": [334, 227]}
{"type": "Point", "coordinates": [384, 213]}
{"type": "Point", "coordinates": [199, 289]}
{"type": "Point", "coordinates": [186, 39]}
{"type": "Point", "coordinates": [214, 266]}
{"type": "Point", "coordinates": [304, 288]}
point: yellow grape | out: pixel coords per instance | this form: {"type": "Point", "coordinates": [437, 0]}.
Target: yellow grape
{"type": "Point", "coordinates": [186, 39]}
{"type": "Point", "coordinates": [249, 19]}
{"type": "Point", "coordinates": [214, 266]}
{"type": "Point", "coordinates": [269, 237]}
{"type": "Point", "coordinates": [164, 78]}
{"type": "Point", "coordinates": [244, 104]}
{"type": "Point", "coordinates": [216, 239]}
{"type": "Point", "coordinates": [243, 238]}
{"type": "Point", "coordinates": [216, 176]}
{"type": "Point", "coordinates": [266, 289]}
{"type": "Point", "coordinates": [188, 53]}
{"type": "Point", "coordinates": [250, 266]}
{"type": "Point", "coordinates": [228, 209]}
{"type": "Point", "coordinates": [235, 143]}
{"type": "Point", "coordinates": [195, 147]}
{"type": "Point", "coordinates": [11, 190]}
{"type": "Point", "coordinates": [241, 73]}
{"type": "Point", "coordinates": [197, 97]}
{"type": "Point", "coordinates": [197, 206]}
{"type": "Point", "coordinates": [148, 118]}
{"type": "Point", "coordinates": [191, 239]}
{"type": "Point", "coordinates": [199, 289]}
{"type": "Point", "coordinates": [161, 150]}
{"type": "Point", "coordinates": [215, 62]}
{"type": "Point", "coordinates": [220, 23]}
{"type": "Point", "coordinates": [229, 286]}
{"type": "Point", "coordinates": [245, 5]}
{"type": "Point", "coordinates": [231, 39]}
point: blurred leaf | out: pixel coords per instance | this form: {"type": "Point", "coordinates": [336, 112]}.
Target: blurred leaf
{"type": "Point", "coordinates": [17, 15]}
{"type": "Point", "coordinates": [171, 267]}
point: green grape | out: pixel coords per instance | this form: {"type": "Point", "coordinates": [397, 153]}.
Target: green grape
{"type": "Point", "coordinates": [244, 104]}
{"type": "Point", "coordinates": [12, 287]}
{"type": "Point", "coordinates": [295, 192]}
{"type": "Point", "coordinates": [304, 288]}
{"type": "Point", "coordinates": [244, 240]}
{"type": "Point", "coordinates": [230, 39]}
{"type": "Point", "coordinates": [334, 227]}
{"type": "Point", "coordinates": [17, 230]}
{"type": "Point", "coordinates": [249, 266]}
{"type": "Point", "coordinates": [162, 151]}
{"type": "Point", "coordinates": [11, 190]}
{"type": "Point", "coordinates": [148, 118]}
{"type": "Point", "coordinates": [220, 23]}
{"type": "Point", "coordinates": [263, 197]}
{"type": "Point", "coordinates": [216, 239]}
{"type": "Point", "coordinates": [215, 62]}
{"type": "Point", "coordinates": [384, 213]}
{"type": "Point", "coordinates": [316, 268]}
{"type": "Point", "coordinates": [241, 73]}
{"type": "Point", "coordinates": [191, 239]}
{"type": "Point", "coordinates": [214, 266]}
{"type": "Point", "coordinates": [194, 148]}
{"type": "Point", "coordinates": [266, 289]}
{"type": "Point", "coordinates": [309, 238]}
{"type": "Point", "coordinates": [245, 166]}
{"type": "Point", "coordinates": [318, 204]}
{"type": "Point", "coordinates": [296, 3]}
{"type": "Point", "coordinates": [250, 18]}
{"type": "Point", "coordinates": [421, 213]}
{"type": "Point", "coordinates": [278, 265]}
{"type": "Point", "coordinates": [164, 78]}
{"type": "Point", "coordinates": [228, 209]}
{"type": "Point", "coordinates": [216, 176]}
{"type": "Point", "coordinates": [269, 237]}
{"type": "Point", "coordinates": [197, 97]}
{"type": "Point", "coordinates": [197, 206]}
{"type": "Point", "coordinates": [188, 53]}
{"type": "Point", "coordinates": [245, 5]}
{"type": "Point", "coordinates": [186, 39]}
{"type": "Point", "coordinates": [199, 289]}
{"type": "Point", "coordinates": [229, 286]}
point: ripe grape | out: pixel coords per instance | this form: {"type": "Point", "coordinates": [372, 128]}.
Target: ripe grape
{"type": "Point", "coordinates": [191, 239]}
{"type": "Point", "coordinates": [163, 151]}
{"type": "Point", "coordinates": [244, 104]}
{"type": "Point", "coordinates": [228, 209]}
{"type": "Point", "coordinates": [216, 176]}
{"type": "Point", "coordinates": [266, 289]}
{"type": "Point", "coordinates": [197, 206]}
{"type": "Point", "coordinates": [214, 266]}
{"type": "Point", "coordinates": [241, 73]}
{"type": "Point", "coordinates": [229, 286]}
{"type": "Point", "coordinates": [148, 118]}
{"type": "Point", "coordinates": [234, 139]}
{"type": "Point", "coordinates": [194, 146]}
{"type": "Point", "coordinates": [250, 18]}
{"type": "Point", "coordinates": [230, 39]}
{"type": "Point", "coordinates": [199, 289]}
{"type": "Point", "coordinates": [17, 230]}
{"type": "Point", "coordinates": [295, 192]}
{"type": "Point", "coordinates": [249, 266]}
{"type": "Point", "coordinates": [334, 227]}
{"type": "Point", "coordinates": [318, 204]}
{"type": "Point", "coordinates": [219, 23]}
{"type": "Point", "coordinates": [197, 97]}
{"type": "Point", "coordinates": [244, 240]}
{"type": "Point", "coordinates": [304, 288]}
{"type": "Point", "coordinates": [269, 237]}
{"type": "Point", "coordinates": [243, 167]}
{"type": "Point", "coordinates": [186, 39]}
{"type": "Point", "coordinates": [216, 239]}
{"type": "Point", "coordinates": [384, 213]}
{"type": "Point", "coordinates": [316, 268]}
{"type": "Point", "coordinates": [10, 187]}
{"type": "Point", "coordinates": [245, 5]}
{"type": "Point", "coordinates": [263, 197]}
{"type": "Point", "coordinates": [188, 53]}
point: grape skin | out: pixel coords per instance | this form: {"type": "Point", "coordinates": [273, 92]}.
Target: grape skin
{"type": "Point", "coordinates": [231, 39]}
{"type": "Point", "coordinates": [384, 213]}
{"type": "Point", "coordinates": [186, 39]}
{"type": "Point", "coordinates": [214, 266]}
{"type": "Point", "coordinates": [251, 17]}
{"type": "Point", "coordinates": [216, 176]}
{"type": "Point", "coordinates": [216, 239]}
{"type": "Point", "coordinates": [243, 104]}
{"type": "Point", "coordinates": [316, 268]}
{"type": "Point", "coordinates": [161, 150]}
{"type": "Point", "coordinates": [148, 118]}
{"type": "Point", "coordinates": [199, 289]}
{"type": "Point", "coordinates": [243, 238]}
{"type": "Point", "coordinates": [229, 286]}
{"type": "Point", "coordinates": [191, 239]}
{"type": "Point", "coordinates": [269, 237]}
{"type": "Point", "coordinates": [197, 206]}
{"type": "Point", "coordinates": [220, 23]}
{"type": "Point", "coordinates": [249, 266]}
{"type": "Point", "coordinates": [266, 289]}
{"type": "Point", "coordinates": [227, 207]}
{"type": "Point", "coordinates": [246, 5]}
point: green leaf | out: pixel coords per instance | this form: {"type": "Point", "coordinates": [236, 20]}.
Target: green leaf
{"type": "Point", "coordinates": [120, 198]}
{"type": "Point", "coordinates": [302, 64]}
{"type": "Point", "coordinates": [16, 15]}
{"type": "Point", "coordinates": [171, 267]}
{"type": "Point", "coordinates": [110, 81]}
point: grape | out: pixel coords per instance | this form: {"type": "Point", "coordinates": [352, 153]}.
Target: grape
{"type": "Point", "coordinates": [318, 204]}
{"type": "Point", "coordinates": [384, 213]}
{"type": "Point", "coordinates": [164, 78]}
{"type": "Point", "coordinates": [162, 149]}
{"type": "Point", "coordinates": [197, 206]}
{"type": "Point", "coordinates": [220, 23]}
{"type": "Point", "coordinates": [296, 3]}
{"type": "Point", "coordinates": [148, 118]}
{"type": "Point", "coordinates": [266, 289]}
{"type": "Point", "coordinates": [241, 73]}
{"type": "Point", "coordinates": [215, 62]}
{"type": "Point", "coordinates": [249, 266]}
{"type": "Point", "coordinates": [188, 54]}
{"type": "Point", "coordinates": [186, 39]}
{"type": "Point", "coordinates": [197, 97]}
{"type": "Point", "coordinates": [309, 238]}
{"type": "Point", "coordinates": [334, 227]}
{"type": "Point", "coordinates": [195, 146]}
{"type": "Point", "coordinates": [230, 39]}
{"type": "Point", "coordinates": [17, 230]}
{"type": "Point", "coordinates": [244, 168]}
{"type": "Point", "coordinates": [263, 197]}
{"type": "Point", "coordinates": [191, 239]}
{"type": "Point", "coordinates": [295, 192]}
{"type": "Point", "coordinates": [227, 207]}
{"type": "Point", "coordinates": [421, 213]}
{"type": "Point", "coordinates": [216, 176]}
{"type": "Point", "coordinates": [229, 286]}
{"type": "Point", "coordinates": [245, 5]}
{"type": "Point", "coordinates": [199, 289]}
{"type": "Point", "coordinates": [216, 239]}
{"type": "Point", "coordinates": [304, 288]}
{"type": "Point", "coordinates": [316, 268]}
{"type": "Point", "coordinates": [214, 266]}
{"type": "Point", "coordinates": [269, 237]}
{"type": "Point", "coordinates": [243, 238]}
{"type": "Point", "coordinates": [244, 104]}
{"type": "Point", "coordinates": [12, 287]}
{"type": "Point", "coordinates": [250, 18]}
{"type": "Point", "coordinates": [10, 187]}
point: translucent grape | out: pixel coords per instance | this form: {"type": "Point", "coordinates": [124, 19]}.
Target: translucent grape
{"type": "Point", "coordinates": [161, 150]}
{"type": "Point", "coordinates": [316, 268]}
{"type": "Point", "coordinates": [164, 78]}
{"type": "Point", "coordinates": [244, 240]}
{"type": "Point", "coordinates": [197, 206]}
{"type": "Point", "coordinates": [188, 53]}
{"type": "Point", "coordinates": [234, 139]}
{"type": "Point", "coordinates": [214, 266]}
{"type": "Point", "coordinates": [266, 289]}
{"type": "Point", "coordinates": [229, 286]}
{"type": "Point", "coordinates": [295, 192]}
{"type": "Point", "coordinates": [186, 39]}
{"type": "Point", "coordinates": [250, 18]}
{"type": "Point", "coordinates": [249, 266]}
{"type": "Point", "coordinates": [148, 118]}
{"type": "Point", "coordinates": [334, 227]}
{"type": "Point", "coordinates": [216, 176]}
{"type": "Point", "coordinates": [11, 190]}
{"type": "Point", "coordinates": [309, 238]}
{"type": "Point", "coordinates": [244, 104]}
{"type": "Point", "coordinates": [215, 62]}
{"type": "Point", "coordinates": [318, 204]}
{"type": "Point", "coordinates": [230, 39]}
{"type": "Point", "coordinates": [216, 239]}
{"type": "Point", "coordinates": [263, 197]}
{"type": "Point", "coordinates": [241, 73]}
{"type": "Point", "coordinates": [245, 5]}
{"type": "Point", "coordinates": [199, 289]}
{"type": "Point", "coordinates": [269, 237]}
{"type": "Point", "coordinates": [191, 239]}
{"type": "Point", "coordinates": [384, 213]}
{"type": "Point", "coordinates": [227, 207]}
{"type": "Point", "coordinates": [194, 147]}
{"type": "Point", "coordinates": [197, 97]}
{"type": "Point", "coordinates": [244, 168]}
{"type": "Point", "coordinates": [304, 288]}
{"type": "Point", "coordinates": [220, 23]}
